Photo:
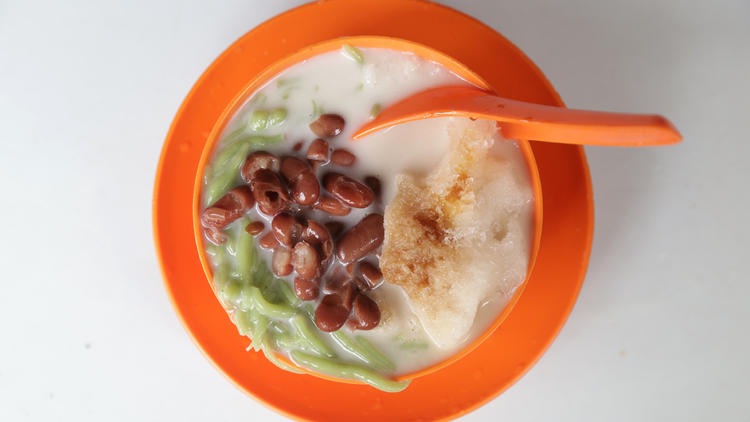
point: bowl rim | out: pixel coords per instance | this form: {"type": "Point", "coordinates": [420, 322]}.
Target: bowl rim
{"type": "Point", "coordinates": [261, 79]}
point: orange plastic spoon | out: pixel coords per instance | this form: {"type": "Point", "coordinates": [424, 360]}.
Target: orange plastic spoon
{"type": "Point", "coordinates": [521, 120]}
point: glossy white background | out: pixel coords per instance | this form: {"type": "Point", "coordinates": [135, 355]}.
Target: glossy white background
{"type": "Point", "coordinates": [661, 330]}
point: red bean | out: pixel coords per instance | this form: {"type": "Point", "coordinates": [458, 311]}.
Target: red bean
{"type": "Point", "coordinates": [342, 157]}
{"type": "Point", "coordinates": [227, 209]}
{"type": "Point", "coordinates": [215, 235]}
{"type": "Point", "coordinates": [302, 181]}
{"type": "Point", "coordinates": [361, 284]}
{"type": "Point", "coordinates": [327, 248]}
{"type": "Point", "coordinates": [366, 312]}
{"type": "Point", "coordinates": [348, 190]}
{"type": "Point", "coordinates": [286, 229]}
{"type": "Point", "coordinates": [318, 150]}
{"type": "Point", "coordinates": [237, 200]}
{"type": "Point", "coordinates": [256, 161]}
{"type": "Point", "coordinates": [305, 260]}
{"type": "Point", "coordinates": [315, 232]}
{"type": "Point", "coordinates": [332, 206]}
{"type": "Point", "coordinates": [255, 228]}
{"type": "Point", "coordinates": [268, 241]}
{"type": "Point", "coordinates": [317, 236]}
{"type": "Point", "coordinates": [305, 289]}
{"type": "Point", "coordinates": [292, 167]}
{"type": "Point", "coordinates": [343, 288]}
{"type": "Point", "coordinates": [328, 125]}
{"type": "Point", "coordinates": [348, 294]}
{"type": "Point", "coordinates": [305, 189]}
{"type": "Point", "coordinates": [334, 228]}
{"type": "Point", "coordinates": [371, 275]}
{"type": "Point", "coordinates": [297, 146]}
{"type": "Point", "coordinates": [281, 262]}
{"type": "Point", "coordinates": [269, 192]}
{"type": "Point", "coordinates": [373, 183]}
{"type": "Point", "coordinates": [216, 218]}
{"type": "Point", "coordinates": [361, 239]}
{"type": "Point", "coordinates": [331, 314]}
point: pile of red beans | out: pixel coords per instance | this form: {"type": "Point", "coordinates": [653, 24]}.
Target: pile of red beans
{"type": "Point", "coordinates": [342, 265]}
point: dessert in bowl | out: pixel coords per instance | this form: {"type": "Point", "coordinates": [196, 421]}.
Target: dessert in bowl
{"type": "Point", "coordinates": [376, 260]}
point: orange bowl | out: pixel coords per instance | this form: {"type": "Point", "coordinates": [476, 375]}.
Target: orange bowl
{"type": "Point", "coordinates": [373, 42]}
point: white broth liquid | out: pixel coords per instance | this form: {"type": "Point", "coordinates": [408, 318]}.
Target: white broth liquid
{"type": "Point", "coordinates": [335, 83]}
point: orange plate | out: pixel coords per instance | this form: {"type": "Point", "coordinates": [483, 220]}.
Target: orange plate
{"type": "Point", "coordinates": [506, 354]}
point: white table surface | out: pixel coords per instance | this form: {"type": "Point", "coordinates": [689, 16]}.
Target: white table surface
{"type": "Point", "coordinates": [661, 330]}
